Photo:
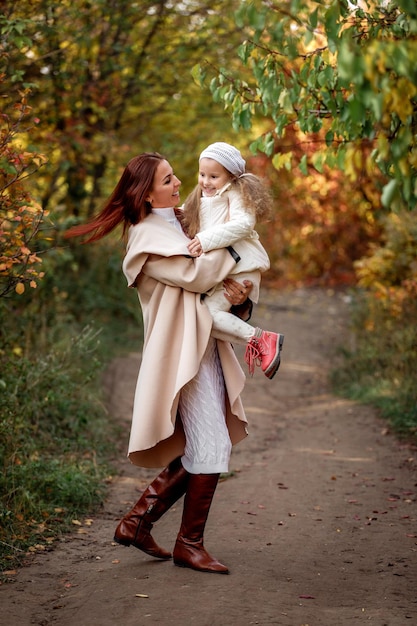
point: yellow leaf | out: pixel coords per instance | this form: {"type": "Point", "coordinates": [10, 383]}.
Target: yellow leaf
{"type": "Point", "coordinates": [20, 288]}
{"type": "Point", "coordinates": [281, 160]}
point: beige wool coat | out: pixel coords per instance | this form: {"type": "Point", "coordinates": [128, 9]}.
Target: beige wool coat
{"type": "Point", "coordinates": [177, 326]}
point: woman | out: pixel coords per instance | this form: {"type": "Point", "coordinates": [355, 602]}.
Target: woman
{"type": "Point", "coordinates": [187, 409]}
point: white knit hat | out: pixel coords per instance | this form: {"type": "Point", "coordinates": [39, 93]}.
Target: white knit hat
{"type": "Point", "coordinates": [226, 155]}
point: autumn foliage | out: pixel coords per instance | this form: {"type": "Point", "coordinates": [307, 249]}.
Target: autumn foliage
{"type": "Point", "coordinates": [21, 215]}
{"type": "Point", "coordinates": [320, 97]}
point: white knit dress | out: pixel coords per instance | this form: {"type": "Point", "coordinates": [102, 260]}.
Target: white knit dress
{"type": "Point", "coordinates": [202, 407]}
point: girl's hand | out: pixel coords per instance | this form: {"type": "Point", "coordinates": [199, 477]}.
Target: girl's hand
{"type": "Point", "coordinates": [237, 293]}
{"type": "Point", "coordinates": [194, 247]}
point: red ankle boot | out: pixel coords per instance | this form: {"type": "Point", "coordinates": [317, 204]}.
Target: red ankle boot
{"type": "Point", "coordinates": [264, 349]}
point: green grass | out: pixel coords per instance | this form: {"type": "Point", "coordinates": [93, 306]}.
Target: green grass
{"type": "Point", "coordinates": [56, 437]}
{"type": "Point", "coordinates": [381, 369]}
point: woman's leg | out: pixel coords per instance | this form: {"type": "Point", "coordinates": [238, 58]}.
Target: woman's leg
{"type": "Point", "coordinates": [202, 407]}
{"type": "Point", "coordinates": [135, 527]}
{"type": "Point", "coordinates": [189, 548]}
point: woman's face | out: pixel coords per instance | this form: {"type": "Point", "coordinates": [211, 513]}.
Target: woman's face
{"type": "Point", "coordinates": [165, 190]}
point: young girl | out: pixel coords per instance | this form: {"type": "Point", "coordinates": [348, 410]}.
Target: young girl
{"type": "Point", "coordinates": [222, 211]}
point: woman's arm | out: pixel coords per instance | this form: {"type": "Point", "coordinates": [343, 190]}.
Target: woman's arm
{"type": "Point", "coordinates": [159, 250]}
{"type": "Point", "coordinates": [193, 274]}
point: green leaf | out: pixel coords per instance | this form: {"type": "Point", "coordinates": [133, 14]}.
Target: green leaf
{"type": "Point", "coordinates": [388, 193]}
{"type": "Point", "coordinates": [313, 18]}
{"type": "Point", "coordinates": [245, 118]}
{"type": "Point", "coordinates": [331, 23]}
{"type": "Point", "coordinates": [303, 165]}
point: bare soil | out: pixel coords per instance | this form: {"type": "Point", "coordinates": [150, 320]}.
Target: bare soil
{"type": "Point", "coordinates": [317, 520]}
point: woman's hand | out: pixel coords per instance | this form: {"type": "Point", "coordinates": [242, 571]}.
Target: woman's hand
{"type": "Point", "coordinates": [237, 293]}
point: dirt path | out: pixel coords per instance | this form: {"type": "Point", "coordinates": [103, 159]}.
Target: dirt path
{"type": "Point", "coordinates": [318, 522]}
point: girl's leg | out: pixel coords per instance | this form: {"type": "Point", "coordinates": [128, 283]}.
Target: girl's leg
{"type": "Point", "coordinates": [263, 348]}
{"type": "Point", "coordinates": [226, 326]}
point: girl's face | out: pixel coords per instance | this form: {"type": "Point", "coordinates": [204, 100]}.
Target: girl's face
{"type": "Point", "coordinates": [165, 189]}
{"type": "Point", "coordinates": [212, 176]}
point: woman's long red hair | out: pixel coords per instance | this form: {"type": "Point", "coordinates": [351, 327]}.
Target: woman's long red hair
{"type": "Point", "coordinates": [127, 205]}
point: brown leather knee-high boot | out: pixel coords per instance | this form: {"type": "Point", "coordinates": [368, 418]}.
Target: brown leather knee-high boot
{"type": "Point", "coordinates": [135, 527]}
{"type": "Point", "coordinates": [189, 550]}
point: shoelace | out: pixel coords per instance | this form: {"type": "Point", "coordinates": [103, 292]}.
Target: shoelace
{"type": "Point", "coordinates": [253, 355]}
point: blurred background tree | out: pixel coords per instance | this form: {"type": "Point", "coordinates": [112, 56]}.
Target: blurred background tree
{"type": "Point", "coordinates": [329, 90]}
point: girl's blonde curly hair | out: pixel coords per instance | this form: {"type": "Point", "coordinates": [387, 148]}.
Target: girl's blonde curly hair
{"type": "Point", "coordinates": [256, 198]}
